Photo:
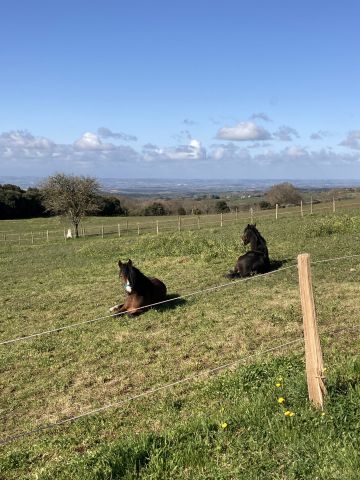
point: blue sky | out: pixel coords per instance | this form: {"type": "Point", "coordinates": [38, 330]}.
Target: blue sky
{"type": "Point", "coordinates": [180, 89]}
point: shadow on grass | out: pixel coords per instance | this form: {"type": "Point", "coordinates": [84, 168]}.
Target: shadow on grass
{"type": "Point", "coordinates": [170, 305]}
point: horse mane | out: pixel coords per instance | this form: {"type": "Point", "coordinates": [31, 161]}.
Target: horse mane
{"type": "Point", "coordinates": [257, 233]}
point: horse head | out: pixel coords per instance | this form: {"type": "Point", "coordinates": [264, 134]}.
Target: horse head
{"type": "Point", "coordinates": [127, 274]}
{"type": "Point", "coordinates": [248, 233]}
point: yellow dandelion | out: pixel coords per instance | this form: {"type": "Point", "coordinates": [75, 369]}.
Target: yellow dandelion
{"type": "Point", "coordinates": [322, 414]}
{"type": "Point", "coordinates": [289, 413]}
{"type": "Point", "coordinates": [277, 384]}
{"type": "Point", "coordinates": [281, 400]}
{"type": "Point", "coordinates": [224, 425]}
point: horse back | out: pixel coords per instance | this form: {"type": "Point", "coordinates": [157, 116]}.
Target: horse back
{"type": "Point", "coordinates": [159, 288]}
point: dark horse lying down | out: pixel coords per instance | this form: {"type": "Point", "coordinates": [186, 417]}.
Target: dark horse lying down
{"type": "Point", "coordinates": [256, 260]}
{"type": "Point", "coordinates": [141, 291]}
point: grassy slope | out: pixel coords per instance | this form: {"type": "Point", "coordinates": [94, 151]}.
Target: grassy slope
{"type": "Point", "coordinates": [178, 433]}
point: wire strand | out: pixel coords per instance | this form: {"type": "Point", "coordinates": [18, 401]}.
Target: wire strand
{"type": "Point", "coordinates": [63, 421]}
{"type": "Point", "coordinates": [188, 295]}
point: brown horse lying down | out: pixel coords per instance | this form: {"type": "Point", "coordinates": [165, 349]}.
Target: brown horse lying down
{"type": "Point", "coordinates": [256, 260]}
{"type": "Point", "coordinates": [140, 290]}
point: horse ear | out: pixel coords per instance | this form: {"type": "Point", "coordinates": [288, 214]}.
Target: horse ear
{"type": "Point", "coordinates": [129, 262]}
{"type": "Point", "coordinates": [120, 263]}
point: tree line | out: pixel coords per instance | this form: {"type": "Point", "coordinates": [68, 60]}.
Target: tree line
{"type": "Point", "coordinates": [17, 203]}
{"type": "Point", "coordinates": [78, 196]}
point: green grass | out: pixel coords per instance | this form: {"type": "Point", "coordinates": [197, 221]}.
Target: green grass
{"type": "Point", "coordinates": [177, 433]}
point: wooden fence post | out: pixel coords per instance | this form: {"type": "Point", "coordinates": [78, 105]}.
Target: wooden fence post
{"type": "Point", "coordinates": [276, 211]}
{"type": "Point", "coordinates": [313, 354]}
{"type": "Point", "coordinates": [157, 227]}
{"type": "Point", "coordinates": [301, 208]}
{"type": "Point", "coordinates": [32, 238]}
{"type": "Point", "coordinates": [311, 206]}
{"type": "Point", "coordinates": [127, 226]}
{"type": "Point", "coordinates": [138, 226]}
{"type": "Point", "coordinates": [221, 219]}
{"type": "Point", "coordinates": [102, 231]}
{"type": "Point", "coordinates": [251, 215]}
{"type": "Point", "coordinates": [236, 213]}
{"type": "Point", "coordinates": [179, 223]}
{"type": "Point", "coordinates": [333, 204]}
{"type": "Point", "coordinates": [47, 235]}
{"type": "Point", "coordinates": [119, 231]}
{"type": "Point", "coordinates": [198, 222]}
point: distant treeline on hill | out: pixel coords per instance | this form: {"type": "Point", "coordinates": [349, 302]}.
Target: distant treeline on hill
{"type": "Point", "coordinates": [18, 203]}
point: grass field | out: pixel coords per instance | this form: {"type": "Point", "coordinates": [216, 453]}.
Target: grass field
{"type": "Point", "coordinates": [224, 426]}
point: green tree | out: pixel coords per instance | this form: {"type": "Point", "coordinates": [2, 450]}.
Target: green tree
{"type": "Point", "coordinates": [155, 208]}
{"type": "Point", "coordinates": [282, 194]}
{"type": "Point", "coordinates": [221, 207]}
{"type": "Point", "coordinates": [181, 211]}
{"type": "Point", "coordinates": [110, 206]}
{"type": "Point", "coordinates": [72, 196]}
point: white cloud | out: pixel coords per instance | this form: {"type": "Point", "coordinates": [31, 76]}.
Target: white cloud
{"type": "Point", "coordinates": [295, 152]}
{"type": "Point", "coordinates": [91, 141]}
{"type": "Point", "coordinates": [22, 139]}
{"type": "Point", "coordinates": [107, 133]}
{"type": "Point", "coordinates": [285, 133]}
{"type": "Point", "coordinates": [352, 140]}
{"type": "Point", "coordinates": [193, 151]}
{"type": "Point", "coordinates": [243, 131]}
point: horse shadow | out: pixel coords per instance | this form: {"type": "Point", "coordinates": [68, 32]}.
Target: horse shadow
{"type": "Point", "coordinates": [172, 301]}
{"type": "Point", "coordinates": [276, 264]}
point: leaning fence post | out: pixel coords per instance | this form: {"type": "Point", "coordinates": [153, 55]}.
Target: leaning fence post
{"type": "Point", "coordinates": [313, 354]}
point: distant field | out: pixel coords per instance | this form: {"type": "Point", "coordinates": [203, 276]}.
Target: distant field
{"type": "Point", "coordinates": [53, 228]}
{"type": "Point", "coordinates": [224, 427]}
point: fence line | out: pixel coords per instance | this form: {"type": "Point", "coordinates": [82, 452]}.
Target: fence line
{"type": "Point", "coordinates": [43, 427]}
{"type": "Point", "coordinates": [156, 226]}
{"type": "Point", "coordinates": [187, 295]}
{"type": "Point", "coordinates": [150, 392]}
{"type": "Point", "coordinates": [11, 438]}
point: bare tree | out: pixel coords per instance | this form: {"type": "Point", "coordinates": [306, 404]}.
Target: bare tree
{"type": "Point", "coordinates": [70, 195]}
{"type": "Point", "coordinates": [283, 193]}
